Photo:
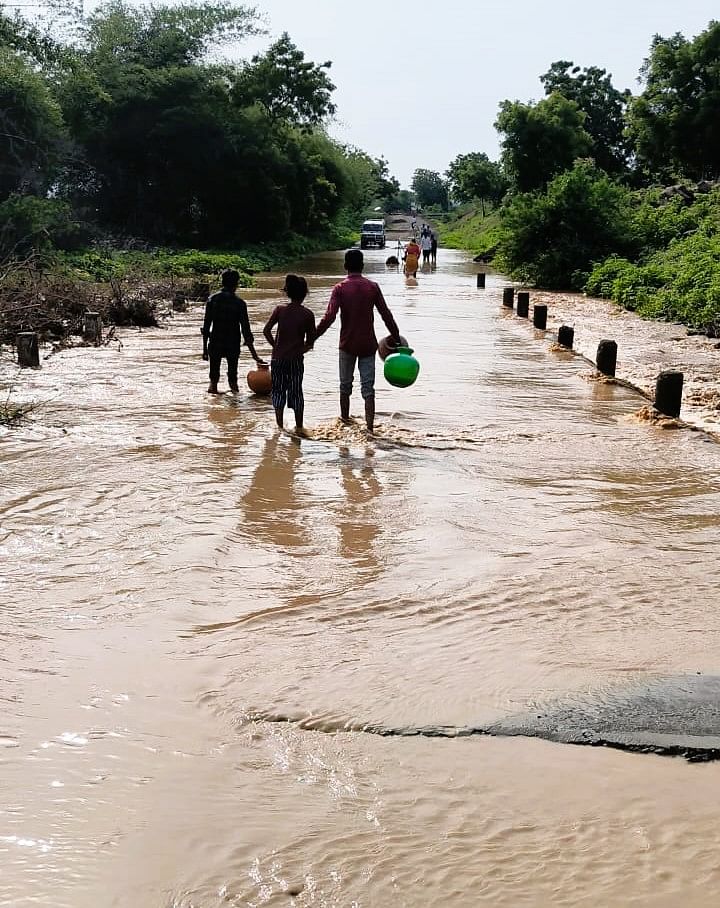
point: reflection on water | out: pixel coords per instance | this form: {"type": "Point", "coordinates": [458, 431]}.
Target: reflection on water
{"type": "Point", "coordinates": [271, 512]}
{"type": "Point", "coordinates": [356, 524]}
{"type": "Point", "coordinates": [177, 577]}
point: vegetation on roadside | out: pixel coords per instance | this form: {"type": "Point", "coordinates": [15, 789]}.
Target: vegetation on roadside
{"type": "Point", "coordinates": [468, 228]}
{"type": "Point", "coordinates": [13, 413]}
{"type": "Point", "coordinates": [605, 192]}
{"type": "Point", "coordinates": [129, 152]}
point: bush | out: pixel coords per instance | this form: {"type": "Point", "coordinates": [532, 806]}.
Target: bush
{"type": "Point", "coordinates": [30, 224]}
{"type": "Point", "coordinates": [679, 283]}
{"type": "Point", "coordinates": [552, 238]}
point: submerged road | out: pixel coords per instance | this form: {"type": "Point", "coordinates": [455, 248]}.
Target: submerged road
{"type": "Point", "coordinates": [202, 617]}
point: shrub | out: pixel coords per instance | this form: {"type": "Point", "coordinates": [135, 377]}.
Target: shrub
{"type": "Point", "coordinates": [29, 223]}
{"type": "Point", "coordinates": [552, 238]}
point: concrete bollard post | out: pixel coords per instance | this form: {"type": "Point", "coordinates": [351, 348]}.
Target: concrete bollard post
{"type": "Point", "coordinates": [566, 336]}
{"type": "Point", "coordinates": [92, 327]}
{"type": "Point", "coordinates": [200, 290]}
{"type": "Point", "coordinates": [540, 317]}
{"type": "Point", "coordinates": [607, 357]}
{"type": "Point", "coordinates": [508, 297]}
{"type": "Point", "coordinates": [179, 302]}
{"type": "Point", "coordinates": [668, 392]}
{"type": "Point", "coordinates": [28, 349]}
{"type": "Point", "coordinates": [523, 304]}
{"type": "Point", "coordinates": [481, 280]}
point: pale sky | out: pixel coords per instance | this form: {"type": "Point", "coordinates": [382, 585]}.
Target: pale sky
{"type": "Point", "coordinates": [420, 82]}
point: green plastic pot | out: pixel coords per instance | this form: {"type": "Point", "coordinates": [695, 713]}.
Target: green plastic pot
{"type": "Point", "coordinates": [401, 368]}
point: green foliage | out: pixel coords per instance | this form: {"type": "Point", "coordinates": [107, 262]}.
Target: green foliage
{"type": "Point", "coordinates": [288, 87]}
{"type": "Point", "coordinates": [478, 233]}
{"type": "Point", "coordinates": [29, 224]}
{"type": "Point", "coordinates": [31, 127]}
{"type": "Point", "coordinates": [403, 200]}
{"type": "Point", "coordinates": [674, 123]}
{"type": "Point", "coordinates": [475, 176]}
{"type": "Point", "coordinates": [541, 140]}
{"type": "Point", "coordinates": [552, 238]}
{"type": "Point", "coordinates": [603, 105]}
{"type": "Point", "coordinates": [676, 279]}
{"type": "Point", "coordinates": [118, 33]}
{"type": "Point", "coordinates": [430, 189]}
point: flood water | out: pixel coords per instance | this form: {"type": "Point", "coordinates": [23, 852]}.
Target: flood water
{"type": "Point", "coordinates": [199, 615]}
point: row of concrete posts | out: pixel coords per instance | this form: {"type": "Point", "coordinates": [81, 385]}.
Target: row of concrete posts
{"type": "Point", "coordinates": [668, 386]}
{"type": "Point", "coordinates": [28, 342]}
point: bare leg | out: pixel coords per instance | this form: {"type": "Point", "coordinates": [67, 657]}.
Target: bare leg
{"type": "Point", "coordinates": [299, 413]}
{"type": "Point", "coordinates": [344, 407]}
{"type": "Point", "coordinates": [370, 413]}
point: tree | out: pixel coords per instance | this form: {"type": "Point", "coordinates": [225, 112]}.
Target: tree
{"type": "Point", "coordinates": [430, 189]}
{"type": "Point", "coordinates": [122, 34]}
{"type": "Point", "coordinates": [674, 122]}
{"type": "Point", "coordinates": [604, 107]}
{"type": "Point", "coordinates": [475, 176]}
{"type": "Point", "coordinates": [369, 179]}
{"type": "Point", "coordinates": [541, 140]}
{"type": "Point", "coordinates": [31, 128]}
{"type": "Point", "coordinates": [288, 87]}
{"type": "Point", "coordinates": [552, 238]}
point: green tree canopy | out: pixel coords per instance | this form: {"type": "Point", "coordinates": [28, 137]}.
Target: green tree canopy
{"type": "Point", "coordinates": [430, 188]}
{"type": "Point", "coordinates": [475, 176]}
{"type": "Point", "coordinates": [289, 87]}
{"type": "Point", "coordinates": [541, 140]}
{"type": "Point", "coordinates": [674, 122]}
{"type": "Point", "coordinates": [118, 33]}
{"type": "Point", "coordinates": [552, 238]}
{"type": "Point", "coordinates": [604, 107]}
{"type": "Point", "coordinates": [31, 128]}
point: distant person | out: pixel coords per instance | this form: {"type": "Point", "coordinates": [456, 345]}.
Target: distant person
{"type": "Point", "coordinates": [426, 246]}
{"type": "Point", "coordinates": [355, 299]}
{"type": "Point", "coordinates": [294, 338]}
{"type": "Point", "coordinates": [433, 247]}
{"type": "Point", "coordinates": [411, 259]}
{"type": "Point", "coordinates": [226, 316]}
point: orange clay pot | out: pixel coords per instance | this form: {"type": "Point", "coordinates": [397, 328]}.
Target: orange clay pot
{"type": "Point", "coordinates": [259, 380]}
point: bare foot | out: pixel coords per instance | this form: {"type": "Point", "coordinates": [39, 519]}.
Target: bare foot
{"type": "Point", "coordinates": [301, 432]}
{"type": "Point", "coordinates": [213, 389]}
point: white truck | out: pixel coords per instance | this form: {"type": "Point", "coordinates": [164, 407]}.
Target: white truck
{"type": "Point", "coordinates": [372, 233]}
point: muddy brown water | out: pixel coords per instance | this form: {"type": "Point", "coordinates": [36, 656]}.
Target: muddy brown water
{"type": "Point", "coordinates": [195, 608]}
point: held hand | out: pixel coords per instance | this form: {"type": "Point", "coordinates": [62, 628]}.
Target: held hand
{"type": "Point", "coordinates": [260, 362]}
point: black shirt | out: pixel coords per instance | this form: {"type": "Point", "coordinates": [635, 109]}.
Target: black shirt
{"type": "Point", "coordinates": [226, 316]}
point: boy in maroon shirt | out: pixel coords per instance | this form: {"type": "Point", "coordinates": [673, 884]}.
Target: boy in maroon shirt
{"type": "Point", "coordinates": [355, 299]}
{"type": "Point", "coordinates": [295, 336]}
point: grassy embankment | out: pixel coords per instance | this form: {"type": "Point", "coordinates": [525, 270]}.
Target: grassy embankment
{"type": "Point", "coordinates": [668, 268]}
{"type": "Point", "coordinates": [469, 229]}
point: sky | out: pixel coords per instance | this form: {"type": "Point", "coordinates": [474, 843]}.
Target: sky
{"type": "Point", "coordinates": [420, 82]}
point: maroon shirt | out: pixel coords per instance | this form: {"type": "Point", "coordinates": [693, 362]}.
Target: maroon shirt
{"type": "Point", "coordinates": [355, 298]}
{"type": "Point", "coordinates": [296, 328]}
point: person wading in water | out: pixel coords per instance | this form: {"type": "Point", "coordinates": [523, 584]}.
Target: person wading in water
{"type": "Point", "coordinates": [295, 337]}
{"type": "Point", "coordinates": [226, 316]}
{"type": "Point", "coordinates": [355, 299]}
{"type": "Point", "coordinates": [412, 259]}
